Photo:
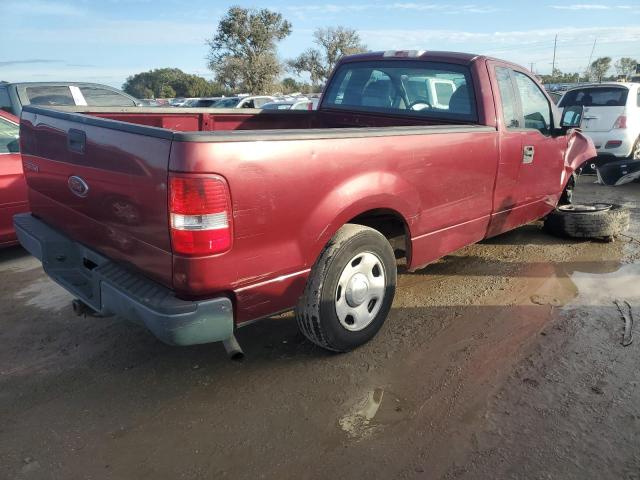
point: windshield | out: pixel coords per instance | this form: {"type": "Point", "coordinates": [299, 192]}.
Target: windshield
{"type": "Point", "coordinates": [427, 89]}
{"type": "Point", "coordinates": [595, 97]}
{"type": "Point", "coordinates": [227, 102]}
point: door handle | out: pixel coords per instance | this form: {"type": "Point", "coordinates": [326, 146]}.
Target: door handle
{"type": "Point", "coordinates": [76, 140]}
{"type": "Point", "coordinates": [528, 153]}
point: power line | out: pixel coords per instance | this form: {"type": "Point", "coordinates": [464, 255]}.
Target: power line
{"type": "Point", "coordinates": [591, 56]}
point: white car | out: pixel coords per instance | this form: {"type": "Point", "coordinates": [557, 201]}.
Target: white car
{"type": "Point", "coordinates": [244, 102]}
{"type": "Point", "coordinates": [289, 105]}
{"type": "Point", "coordinates": [610, 117]}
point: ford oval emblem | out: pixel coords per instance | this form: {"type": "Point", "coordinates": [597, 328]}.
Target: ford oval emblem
{"type": "Point", "coordinates": [78, 186]}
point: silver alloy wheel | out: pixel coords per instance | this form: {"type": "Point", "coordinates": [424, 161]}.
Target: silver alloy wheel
{"type": "Point", "coordinates": [636, 150]}
{"type": "Point", "coordinates": [360, 291]}
{"type": "Point", "coordinates": [579, 208]}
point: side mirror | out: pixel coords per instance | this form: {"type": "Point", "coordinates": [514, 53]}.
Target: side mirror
{"type": "Point", "coordinates": [571, 117]}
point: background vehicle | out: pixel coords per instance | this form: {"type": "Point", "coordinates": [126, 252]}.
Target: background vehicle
{"type": "Point", "coordinates": [611, 118]}
{"type": "Point", "coordinates": [13, 188]}
{"type": "Point", "coordinates": [555, 96]}
{"type": "Point", "coordinates": [203, 102]}
{"type": "Point", "coordinates": [148, 102]}
{"type": "Point", "coordinates": [244, 102]}
{"type": "Point", "coordinates": [13, 96]}
{"type": "Point", "coordinates": [194, 223]}
{"type": "Point", "coordinates": [433, 91]}
{"type": "Point", "coordinates": [289, 105]}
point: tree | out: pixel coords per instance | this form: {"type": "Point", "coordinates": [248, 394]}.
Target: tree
{"type": "Point", "coordinates": [333, 43]}
{"type": "Point", "coordinates": [242, 53]}
{"type": "Point", "coordinates": [169, 83]}
{"type": "Point", "coordinates": [310, 62]}
{"type": "Point", "coordinates": [626, 66]}
{"type": "Point", "coordinates": [558, 76]}
{"type": "Point", "coordinates": [598, 69]}
{"type": "Point", "coordinates": [291, 85]}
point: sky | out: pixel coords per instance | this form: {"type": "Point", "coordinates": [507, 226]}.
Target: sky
{"type": "Point", "coordinates": [105, 41]}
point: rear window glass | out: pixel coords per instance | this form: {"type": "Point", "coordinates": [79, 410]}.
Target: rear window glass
{"type": "Point", "coordinates": [49, 95]}
{"type": "Point", "coordinates": [425, 89]}
{"type": "Point", "coordinates": [102, 97]}
{"type": "Point", "coordinates": [595, 97]}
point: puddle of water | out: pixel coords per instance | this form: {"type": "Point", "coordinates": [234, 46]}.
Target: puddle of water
{"type": "Point", "coordinates": [357, 423]}
{"type": "Point", "coordinates": [603, 288]}
{"type": "Point", "coordinates": [370, 413]}
{"type": "Point", "coordinates": [45, 294]}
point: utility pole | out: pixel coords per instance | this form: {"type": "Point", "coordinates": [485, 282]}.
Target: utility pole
{"type": "Point", "coordinates": [591, 56]}
{"type": "Point", "coordinates": [531, 68]}
{"type": "Point", "coordinates": [553, 65]}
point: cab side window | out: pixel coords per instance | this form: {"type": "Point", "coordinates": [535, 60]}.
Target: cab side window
{"type": "Point", "coordinates": [535, 106]}
{"type": "Point", "coordinates": [508, 98]}
{"type": "Point", "coordinates": [8, 137]}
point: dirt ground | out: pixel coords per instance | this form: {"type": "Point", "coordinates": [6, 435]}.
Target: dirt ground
{"type": "Point", "coordinates": [501, 361]}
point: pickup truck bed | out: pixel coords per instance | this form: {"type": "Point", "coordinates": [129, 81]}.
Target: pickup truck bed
{"type": "Point", "coordinates": [283, 184]}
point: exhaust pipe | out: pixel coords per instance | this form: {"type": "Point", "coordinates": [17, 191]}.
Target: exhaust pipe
{"type": "Point", "coordinates": [233, 348]}
{"type": "Point", "coordinates": [83, 310]}
{"type": "Point", "coordinates": [80, 308]}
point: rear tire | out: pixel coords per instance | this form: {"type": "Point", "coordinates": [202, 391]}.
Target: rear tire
{"type": "Point", "coordinates": [349, 291]}
{"type": "Point", "coordinates": [577, 221]}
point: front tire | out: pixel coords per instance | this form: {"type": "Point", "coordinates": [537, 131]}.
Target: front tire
{"type": "Point", "coordinates": [603, 221]}
{"type": "Point", "coordinates": [349, 291]}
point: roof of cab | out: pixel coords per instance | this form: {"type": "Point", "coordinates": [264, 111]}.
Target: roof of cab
{"type": "Point", "coordinates": [427, 55]}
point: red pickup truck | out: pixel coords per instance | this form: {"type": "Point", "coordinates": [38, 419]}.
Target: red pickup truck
{"type": "Point", "coordinates": [194, 222]}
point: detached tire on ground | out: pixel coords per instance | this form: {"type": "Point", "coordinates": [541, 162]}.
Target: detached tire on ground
{"type": "Point", "coordinates": [349, 291]}
{"type": "Point", "coordinates": [597, 220]}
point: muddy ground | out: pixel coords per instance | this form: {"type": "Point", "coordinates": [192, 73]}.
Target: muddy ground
{"type": "Point", "coordinates": [503, 360]}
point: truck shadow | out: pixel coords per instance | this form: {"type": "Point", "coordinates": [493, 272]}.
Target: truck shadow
{"type": "Point", "coordinates": [12, 253]}
{"type": "Point", "coordinates": [530, 234]}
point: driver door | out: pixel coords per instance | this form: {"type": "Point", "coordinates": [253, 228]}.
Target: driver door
{"type": "Point", "coordinates": [531, 158]}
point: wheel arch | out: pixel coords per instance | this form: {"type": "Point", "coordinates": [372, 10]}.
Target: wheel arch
{"type": "Point", "coordinates": [369, 200]}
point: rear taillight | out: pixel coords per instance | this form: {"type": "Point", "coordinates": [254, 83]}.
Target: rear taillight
{"type": "Point", "coordinates": [621, 122]}
{"type": "Point", "coordinates": [200, 214]}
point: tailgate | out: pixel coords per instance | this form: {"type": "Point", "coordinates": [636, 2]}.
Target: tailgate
{"type": "Point", "coordinates": [600, 119]}
{"type": "Point", "coordinates": [103, 183]}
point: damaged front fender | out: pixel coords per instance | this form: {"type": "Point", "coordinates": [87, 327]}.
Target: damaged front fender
{"type": "Point", "coordinates": [580, 149]}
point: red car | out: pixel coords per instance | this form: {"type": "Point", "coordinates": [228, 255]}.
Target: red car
{"type": "Point", "coordinates": [13, 187]}
{"type": "Point", "coordinates": [194, 222]}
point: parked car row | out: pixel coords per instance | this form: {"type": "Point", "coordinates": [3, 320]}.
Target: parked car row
{"type": "Point", "coordinates": [248, 101]}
